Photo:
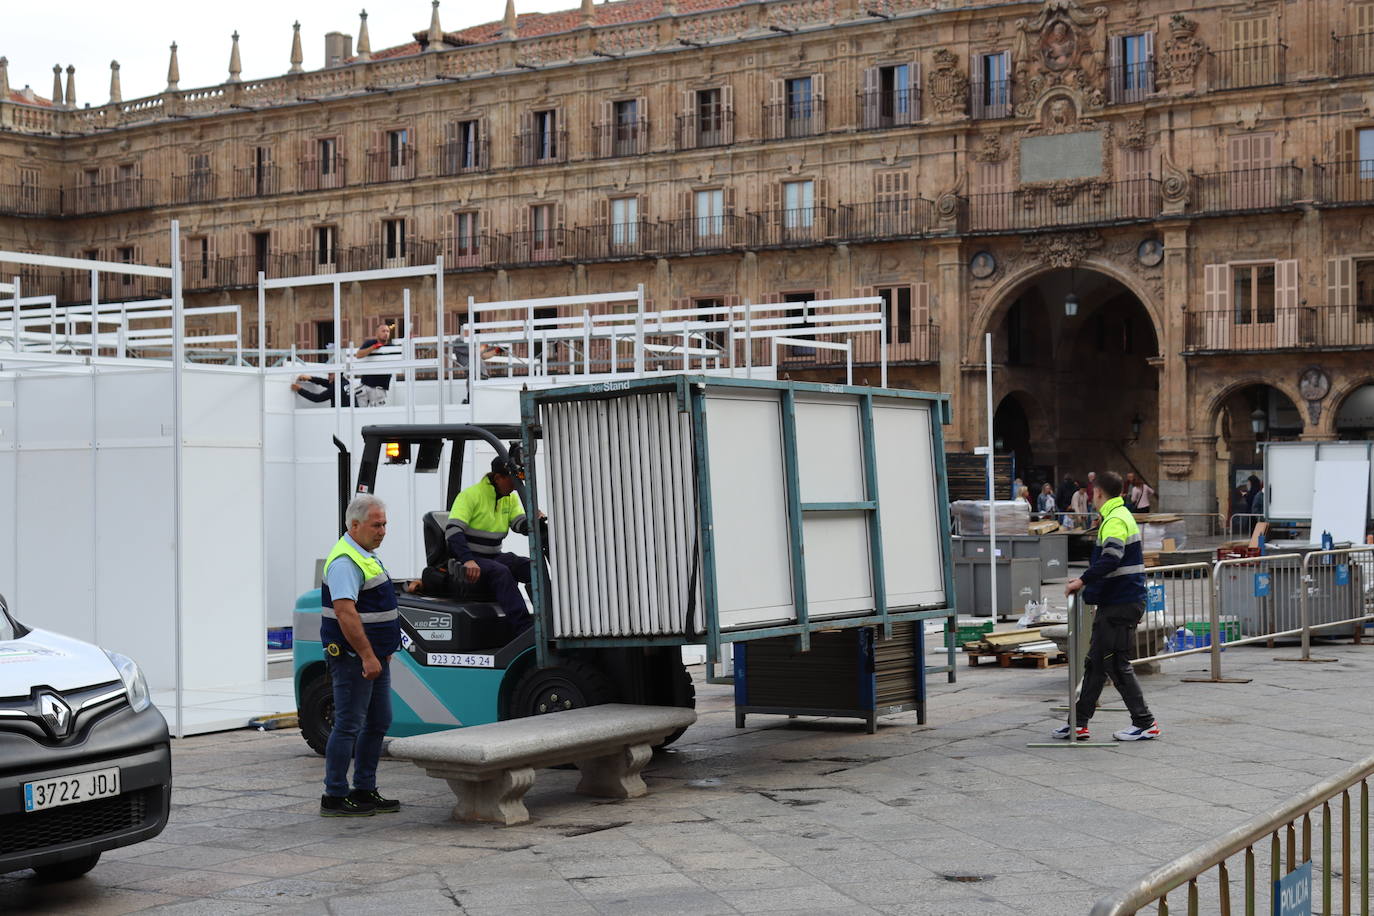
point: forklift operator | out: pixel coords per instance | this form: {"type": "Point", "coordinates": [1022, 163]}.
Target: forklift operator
{"type": "Point", "coordinates": [477, 524]}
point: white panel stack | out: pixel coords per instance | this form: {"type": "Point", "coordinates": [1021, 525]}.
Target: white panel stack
{"type": "Point", "coordinates": [621, 516]}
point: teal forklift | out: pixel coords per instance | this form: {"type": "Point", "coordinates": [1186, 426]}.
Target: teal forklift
{"type": "Point", "coordinates": [461, 661]}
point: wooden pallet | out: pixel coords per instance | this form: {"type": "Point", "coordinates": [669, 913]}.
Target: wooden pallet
{"type": "Point", "coordinates": [1019, 659]}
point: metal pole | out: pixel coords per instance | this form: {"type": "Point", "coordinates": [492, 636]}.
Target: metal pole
{"type": "Point", "coordinates": [337, 359]}
{"type": "Point", "coordinates": [748, 340]}
{"type": "Point", "coordinates": [52, 332]}
{"type": "Point", "coordinates": [262, 322]}
{"type": "Point", "coordinates": [882, 345]}
{"type": "Point", "coordinates": [992, 487]}
{"type": "Point", "coordinates": [1075, 667]}
{"type": "Point", "coordinates": [178, 420]}
{"type": "Point", "coordinates": [442, 355]}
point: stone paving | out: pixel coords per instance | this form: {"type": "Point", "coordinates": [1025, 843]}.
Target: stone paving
{"type": "Point", "coordinates": [785, 816]}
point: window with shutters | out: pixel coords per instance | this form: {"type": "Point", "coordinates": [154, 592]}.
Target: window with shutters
{"type": "Point", "coordinates": [397, 148]}
{"type": "Point", "coordinates": [1364, 146]}
{"type": "Point", "coordinates": [463, 149]}
{"type": "Point", "coordinates": [198, 257]}
{"type": "Point", "coordinates": [28, 190]}
{"type": "Point", "coordinates": [626, 127]}
{"type": "Point", "coordinates": [393, 240]}
{"type": "Point", "coordinates": [799, 207]}
{"type": "Point", "coordinates": [800, 111]}
{"type": "Point", "coordinates": [891, 96]}
{"type": "Point", "coordinates": [542, 229]}
{"type": "Point", "coordinates": [466, 234]}
{"type": "Point", "coordinates": [708, 215]}
{"type": "Point", "coordinates": [200, 181]}
{"type": "Point", "coordinates": [897, 304]}
{"type": "Point", "coordinates": [322, 167]}
{"type": "Point", "coordinates": [126, 255]}
{"type": "Point", "coordinates": [327, 155]}
{"type": "Point", "coordinates": [991, 85]}
{"type": "Point", "coordinates": [262, 251]}
{"type": "Point", "coordinates": [1253, 293]}
{"type": "Point", "coordinates": [1132, 68]}
{"type": "Point", "coordinates": [1253, 182]}
{"type": "Point", "coordinates": [1355, 52]}
{"type": "Point", "coordinates": [1363, 270]}
{"type": "Point", "coordinates": [253, 334]}
{"type": "Point", "coordinates": [710, 118]}
{"type": "Point", "coordinates": [892, 207]}
{"type": "Point", "coordinates": [545, 135]}
{"type": "Point", "coordinates": [326, 248]}
{"type": "Point", "coordinates": [1254, 56]}
{"type": "Point", "coordinates": [624, 222]}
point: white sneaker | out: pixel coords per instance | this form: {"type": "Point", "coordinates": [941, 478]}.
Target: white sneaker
{"type": "Point", "coordinates": [1062, 733]}
{"type": "Point", "coordinates": [1138, 733]}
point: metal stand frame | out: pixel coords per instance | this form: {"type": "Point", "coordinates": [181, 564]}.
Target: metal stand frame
{"type": "Point", "coordinates": [1075, 680]}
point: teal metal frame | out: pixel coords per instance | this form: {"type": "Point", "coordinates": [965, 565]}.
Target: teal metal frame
{"type": "Point", "coordinates": [691, 396]}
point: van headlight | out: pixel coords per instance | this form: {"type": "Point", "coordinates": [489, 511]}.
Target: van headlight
{"type": "Point", "coordinates": [135, 686]}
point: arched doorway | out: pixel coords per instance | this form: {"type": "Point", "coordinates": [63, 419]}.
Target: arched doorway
{"type": "Point", "coordinates": [1245, 418]}
{"type": "Point", "coordinates": [1355, 417]}
{"type": "Point", "coordinates": [1011, 435]}
{"type": "Point", "coordinates": [1079, 348]}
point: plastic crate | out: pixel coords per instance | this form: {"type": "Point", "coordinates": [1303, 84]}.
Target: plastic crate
{"type": "Point", "coordinates": [972, 632]}
{"type": "Point", "coordinates": [1182, 641]}
{"type": "Point", "coordinates": [1230, 628]}
{"type": "Point", "coordinates": [279, 638]}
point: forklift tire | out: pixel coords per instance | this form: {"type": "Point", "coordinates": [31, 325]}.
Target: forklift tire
{"type": "Point", "coordinates": [316, 715]}
{"type": "Point", "coordinates": [570, 684]}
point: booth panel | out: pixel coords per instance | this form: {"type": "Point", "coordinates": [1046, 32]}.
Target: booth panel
{"type": "Point", "coordinates": [909, 502]}
{"type": "Point", "coordinates": [839, 575]}
{"type": "Point", "coordinates": [830, 461]}
{"type": "Point", "coordinates": [133, 405]}
{"type": "Point", "coordinates": [56, 543]}
{"type": "Point", "coordinates": [55, 410]}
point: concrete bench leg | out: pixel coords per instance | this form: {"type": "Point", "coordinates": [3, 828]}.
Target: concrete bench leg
{"type": "Point", "coordinates": [496, 799]}
{"type": "Point", "coordinates": [616, 775]}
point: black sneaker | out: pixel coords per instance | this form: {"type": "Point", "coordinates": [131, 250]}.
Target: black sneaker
{"type": "Point", "coordinates": [374, 799]}
{"type": "Point", "coordinates": [348, 806]}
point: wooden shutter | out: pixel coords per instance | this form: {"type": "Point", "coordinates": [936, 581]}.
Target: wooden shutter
{"type": "Point", "coordinates": [1286, 311]}
{"type": "Point", "coordinates": [914, 92]}
{"type": "Point", "coordinates": [1216, 318]}
{"type": "Point", "coordinates": [868, 101]}
{"type": "Point", "coordinates": [1150, 61]}
{"type": "Point", "coordinates": [305, 335]}
{"type": "Point", "coordinates": [776, 116]}
{"type": "Point", "coordinates": [642, 124]}
{"type": "Point", "coordinates": [607, 130]}
{"type": "Point", "coordinates": [1116, 75]}
{"type": "Point", "coordinates": [775, 202]}
{"type": "Point", "coordinates": [1340, 281]}
{"type": "Point", "coordinates": [687, 127]}
{"type": "Point", "coordinates": [817, 102]}
{"type": "Point", "coordinates": [727, 113]}
{"type": "Point", "coordinates": [728, 201]}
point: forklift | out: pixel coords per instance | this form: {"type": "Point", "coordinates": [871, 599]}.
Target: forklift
{"type": "Point", "coordinates": [461, 662]}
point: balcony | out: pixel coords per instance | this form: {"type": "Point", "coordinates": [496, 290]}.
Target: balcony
{"type": "Point", "coordinates": [1352, 55]}
{"type": "Point", "coordinates": [29, 200]}
{"type": "Point", "coordinates": [907, 343]}
{"type": "Point", "coordinates": [256, 181]}
{"type": "Point", "coordinates": [539, 246]}
{"type": "Point", "coordinates": [322, 174]}
{"type": "Point", "coordinates": [989, 100]}
{"type": "Point", "coordinates": [617, 140]}
{"type": "Point", "coordinates": [1345, 182]}
{"type": "Point", "coordinates": [1322, 327]}
{"type": "Point", "coordinates": [537, 147]}
{"type": "Point", "coordinates": [614, 241]}
{"type": "Point", "coordinates": [790, 120]}
{"type": "Point", "coordinates": [1090, 203]}
{"type": "Point", "coordinates": [394, 164]}
{"type": "Point", "coordinates": [1134, 82]}
{"type": "Point", "coordinates": [797, 227]}
{"type": "Point", "coordinates": [458, 158]}
{"type": "Point", "coordinates": [243, 269]}
{"type": "Point", "coordinates": [880, 109]}
{"type": "Point", "coordinates": [194, 188]}
{"type": "Point", "coordinates": [1241, 190]}
{"type": "Point", "coordinates": [472, 252]}
{"type": "Point", "coordinates": [703, 234]}
{"type": "Point", "coordinates": [703, 130]}
{"type": "Point", "coordinates": [1247, 68]}
{"type": "Point", "coordinates": [124, 194]}
{"type": "Point", "coordinates": [909, 217]}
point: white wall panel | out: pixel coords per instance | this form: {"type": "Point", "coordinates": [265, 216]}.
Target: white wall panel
{"type": "Point", "coordinates": [133, 405]}
{"type": "Point", "coordinates": [909, 501]}
{"type": "Point", "coordinates": [54, 410]}
{"type": "Point", "coordinates": [829, 448]}
{"type": "Point", "coordinates": [55, 513]}
{"type": "Point", "coordinates": [839, 575]}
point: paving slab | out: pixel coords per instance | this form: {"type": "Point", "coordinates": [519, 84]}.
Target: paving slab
{"type": "Point", "coordinates": [785, 816]}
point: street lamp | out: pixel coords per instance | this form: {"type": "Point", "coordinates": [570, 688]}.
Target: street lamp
{"type": "Point", "coordinates": [1070, 305]}
{"type": "Point", "coordinates": [1258, 421]}
{"type": "Point", "coordinates": [1137, 422]}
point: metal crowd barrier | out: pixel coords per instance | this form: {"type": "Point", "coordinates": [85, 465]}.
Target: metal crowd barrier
{"type": "Point", "coordinates": [1284, 859]}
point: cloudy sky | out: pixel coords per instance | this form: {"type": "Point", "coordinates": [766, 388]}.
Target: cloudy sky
{"type": "Point", "coordinates": [90, 33]}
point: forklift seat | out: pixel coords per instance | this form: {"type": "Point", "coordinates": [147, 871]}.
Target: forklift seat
{"type": "Point", "coordinates": [436, 548]}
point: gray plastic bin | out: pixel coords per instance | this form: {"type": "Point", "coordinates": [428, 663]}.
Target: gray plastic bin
{"type": "Point", "coordinates": [1050, 550]}
{"type": "Point", "coordinates": [1281, 609]}
{"type": "Point", "coordinates": [1018, 581]}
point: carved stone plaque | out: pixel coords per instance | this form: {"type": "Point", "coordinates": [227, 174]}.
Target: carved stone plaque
{"type": "Point", "coordinates": [1060, 156]}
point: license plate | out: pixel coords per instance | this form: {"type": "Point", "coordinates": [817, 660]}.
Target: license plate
{"type": "Point", "coordinates": [70, 789]}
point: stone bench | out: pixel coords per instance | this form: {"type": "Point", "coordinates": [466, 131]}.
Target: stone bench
{"type": "Point", "coordinates": [491, 767]}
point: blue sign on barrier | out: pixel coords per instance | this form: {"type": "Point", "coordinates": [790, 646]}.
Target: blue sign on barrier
{"type": "Point", "coordinates": [1154, 598]}
{"type": "Point", "coordinates": [1262, 581]}
{"type": "Point", "coordinates": [1343, 574]}
{"type": "Point", "coordinates": [1293, 892]}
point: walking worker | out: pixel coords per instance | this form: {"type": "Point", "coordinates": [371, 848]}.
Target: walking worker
{"type": "Point", "coordinates": [360, 629]}
{"type": "Point", "coordinates": [477, 524]}
{"type": "Point", "coordinates": [1115, 582]}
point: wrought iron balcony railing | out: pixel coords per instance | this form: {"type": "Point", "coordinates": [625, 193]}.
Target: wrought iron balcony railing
{"type": "Point", "coordinates": [194, 188]}
{"type": "Point", "coordinates": [1133, 82]}
{"type": "Point", "coordinates": [702, 234]}
{"type": "Point", "coordinates": [1089, 203]}
{"type": "Point", "coordinates": [1349, 182]}
{"type": "Point", "coordinates": [799, 226]}
{"type": "Point", "coordinates": [880, 109]}
{"type": "Point", "coordinates": [396, 164]}
{"type": "Point", "coordinates": [1247, 189]}
{"type": "Point", "coordinates": [1352, 55]}
{"type": "Point", "coordinates": [123, 194]}
{"type": "Point", "coordinates": [908, 217]}
{"type": "Point", "coordinates": [473, 252]}
{"type": "Point", "coordinates": [701, 130]}
{"type": "Point", "coordinates": [615, 240]}
{"type": "Point", "coordinates": [538, 147]}
{"type": "Point", "coordinates": [256, 181]}
{"type": "Point", "coordinates": [989, 99]}
{"type": "Point", "coordinates": [1321, 327]}
{"type": "Point", "coordinates": [29, 200]}
{"type": "Point", "coordinates": [459, 158]}
{"type": "Point", "coordinates": [322, 174]}
{"type": "Point", "coordinates": [538, 246]}
{"type": "Point", "coordinates": [1247, 68]}
{"type": "Point", "coordinates": [613, 140]}
{"type": "Point", "coordinates": [789, 120]}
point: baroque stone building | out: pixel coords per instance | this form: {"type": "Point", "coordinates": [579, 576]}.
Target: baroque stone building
{"type": "Point", "coordinates": [1161, 210]}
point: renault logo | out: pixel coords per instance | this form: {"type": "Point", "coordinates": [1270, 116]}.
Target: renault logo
{"type": "Point", "coordinates": [56, 714]}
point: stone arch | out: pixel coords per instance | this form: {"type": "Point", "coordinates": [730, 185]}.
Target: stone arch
{"type": "Point", "coordinates": [999, 298]}
{"type": "Point", "coordinates": [1037, 418]}
{"type": "Point", "coordinates": [1218, 400]}
{"type": "Point", "coordinates": [1336, 399]}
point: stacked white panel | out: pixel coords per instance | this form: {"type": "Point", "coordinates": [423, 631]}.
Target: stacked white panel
{"type": "Point", "coordinates": [618, 486]}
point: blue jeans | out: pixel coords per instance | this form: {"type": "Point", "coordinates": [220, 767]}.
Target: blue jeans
{"type": "Point", "coordinates": [362, 715]}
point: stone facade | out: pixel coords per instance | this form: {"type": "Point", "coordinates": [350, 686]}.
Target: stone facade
{"type": "Point", "coordinates": [1190, 174]}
